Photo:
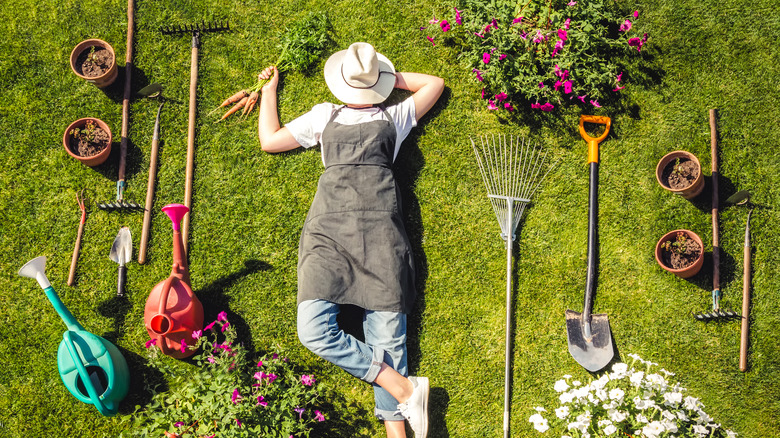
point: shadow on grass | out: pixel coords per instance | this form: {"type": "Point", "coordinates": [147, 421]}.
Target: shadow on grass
{"type": "Point", "coordinates": [145, 381]}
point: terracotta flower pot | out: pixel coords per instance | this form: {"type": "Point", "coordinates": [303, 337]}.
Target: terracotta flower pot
{"type": "Point", "coordinates": [686, 181]}
{"type": "Point", "coordinates": [663, 255]}
{"type": "Point", "coordinates": [89, 160]}
{"type": "Point", "coordinates": [103, 76]}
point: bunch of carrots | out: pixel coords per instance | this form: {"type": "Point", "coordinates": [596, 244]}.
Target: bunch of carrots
{"type": "Point", "coordinates": [301, 46]}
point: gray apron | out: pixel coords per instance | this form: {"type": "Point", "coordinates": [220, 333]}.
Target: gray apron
{"type": "Point", "coordinates": [354, 248]}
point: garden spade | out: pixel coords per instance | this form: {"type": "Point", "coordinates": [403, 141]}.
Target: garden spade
{"type": "Point", "coordinates": [590, 338]}
{"type": "Point", "coordinates": [121, 251]}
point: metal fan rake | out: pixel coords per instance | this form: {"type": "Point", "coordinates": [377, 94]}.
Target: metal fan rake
{"type": "Point", "coordinates": [512, 169]}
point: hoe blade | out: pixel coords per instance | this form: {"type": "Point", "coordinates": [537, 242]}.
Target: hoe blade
{"type": "Point", "coordinates": [594, 352]}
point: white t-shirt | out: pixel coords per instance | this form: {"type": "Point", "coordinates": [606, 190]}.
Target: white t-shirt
{"type": "Point", "coordinates": [307, 129]}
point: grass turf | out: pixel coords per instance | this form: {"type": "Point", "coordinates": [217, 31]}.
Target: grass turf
{"type": "Point", "coordinates": [248, 208]}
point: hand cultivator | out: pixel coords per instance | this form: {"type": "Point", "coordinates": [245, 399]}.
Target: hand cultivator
{"type": "Point", "coordinates": [512, 172]}
{"type": "Point", "coordinates": [195, 30]}
{"type": "Point", "coordinates": [74, 259]}
{"type": "Point", "coordinates": [717, 314]}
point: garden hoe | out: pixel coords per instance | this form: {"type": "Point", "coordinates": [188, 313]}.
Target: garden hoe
{"type": "Point", "coordinates": [512, 171]}
{"type": "Point", "coordinates": [195, 30]}
{"type": "Point", "coordinates": [121, 204]}
{"type": "Point", "coordinates": [590, 338]}
{"type": "Point", "coordinates": [717, 314]}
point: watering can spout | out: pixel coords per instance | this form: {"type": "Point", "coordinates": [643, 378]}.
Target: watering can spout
{"type": "Point", "coordinates": [36, 269]}
{"type": "Point", "coordinates": [176, 213]}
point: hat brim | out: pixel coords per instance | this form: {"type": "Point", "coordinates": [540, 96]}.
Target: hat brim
{"type": "Point", "coordinates": [351, 95]}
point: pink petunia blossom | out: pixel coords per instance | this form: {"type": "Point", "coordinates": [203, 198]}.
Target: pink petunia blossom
{"type": "Point", "coordinates": [178, 424]}
{"type": "Point", "coordinates": [571, 3]}
{"type": "Point", "coordinates": [300, 412]}
{"type": "Point", "coordinates": [563, 35]}
{"type": "Point", "coordinates": [501, 57]}
{"type": "Point", "coordinates": [458, 21]}
{"type": "Point", "coordinates": [618, 88]}
{"type": "Point", "coordinates": [150, 342]}
{"type": "Point", "coordinates": [479, 74]}
{"type": "Point", "coordinates": [236, 396]}
{"type": "Point", "coordinates": [433, 20]}
{"type": "Point", "coordinates": [567, 87]}
{"type": "Point", "coordinates": [567, 23]}
{"type": "Point", "coordinates": [636, 42]}
{"type": "Point", "coordinates": [183, 346]}
{"type": "Point", "coordinates": [547, 107]}
{"type": "Point", "coordinates": [492, 105]}
{"type": "Point", "coordinates": [619, 77]}
{"type": "Point", "coordinates": [482, 95]}
{"type": "Point", "coordinates": [626, 26]}
{"type": "Point", "coordinates": [445, 26]}
{"type": "Point", "coordinates": [636, 14]}
{"type": "Point", "coordinates": [260, 363]}
{"type": "Point", "coordinates": [197, 334]}
{"type": "Point", "coordinates": [318, 416]}
{"type": "Point", "coordinates": [486, 57]}
{"type": "Point", "coordinates": [494, 23]}
{"type": "Point", "coordinates": [487, 28]}
{"type": "Point", "coordinates": [517, 20]}
{"type": "Point", "coordinates": [479, 35]}
{"type": "Point", "coordinates": [509, 106]}
{"type": "Point", "coordinates": [595, 103]}
{"type": "Point", "coordinates": [557, 85]}
{"type": "Point", "coordinates": [501, 96]}
{"type": "Point", "coordinates": [307, 380]}
{"type": "Point", "coordinates": [210, 326]}
{"type": "Point", "coordinates": [431, 40]}
{"type": "Point", "coordinates": [222, 316]}
{"type": "Point", "coordinates": [261, 401]}
{"type": "Point", "coordinates": [541, 84]}
{"type": "Point", "coordinates": [539, 37]}
{"type": "Point", "coordinates": [238, 423]}
{"type": "Point", "coordinates": [211, 359]}
{"type": "Point", "coordinates": [582, 98]}
{"type": "Point", "coordinates": [225, 326]}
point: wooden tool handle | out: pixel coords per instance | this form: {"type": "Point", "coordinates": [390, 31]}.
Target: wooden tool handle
{"type": "Point", "coordinates": [715, 230]}
{"type": "Point", "coordinates": [75, 258]}
{"type": "Point", "coordinates": [743, 343]}
{"type": "Point", "coordinates": [128, 82]}
{"type": "Point", "coordinates": [190, 142]}
{"type": "Point", "coordinates": [149, 202]}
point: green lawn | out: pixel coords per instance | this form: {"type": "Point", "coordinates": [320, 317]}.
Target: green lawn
{"type": "Point", "coordinates": [248, 209]}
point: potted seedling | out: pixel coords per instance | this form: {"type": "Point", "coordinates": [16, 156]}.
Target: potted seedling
{"type": "Point", "coordinates": [680, 173]}
{"type": "Point", "coordinates": [88, 140]}
{"type": "Point", "coordinates": [680, 252]}
{"type": "Point", "coordinates": [94, 60]}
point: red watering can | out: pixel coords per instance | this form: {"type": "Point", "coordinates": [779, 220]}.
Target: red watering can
{"type": "Point", "coordinates": [172, 311]}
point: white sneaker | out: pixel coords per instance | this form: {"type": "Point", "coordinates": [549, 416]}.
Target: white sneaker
{"type": "Point", "coordinates": [415, 410]}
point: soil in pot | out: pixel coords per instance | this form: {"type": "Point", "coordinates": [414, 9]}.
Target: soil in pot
{"type": "Point", "coordinates": [681, 252]}
{"type": "Point", "coordinates": [89, 140]}
{"type": "Point", "coordinates": [680, 173]}
{"type": "Point", "coordinates": [94, 61]}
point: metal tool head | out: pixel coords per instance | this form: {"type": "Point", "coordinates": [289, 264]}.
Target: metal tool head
{"type": "Point", "coordinates": [195, 28]}
{"type": "Point", "coordinates": [120, 205]}
{"type": "Point", "coordinates": [717, 315]}
{"type": "Point", "coordinates": [152, 90]}
{"type": "Point", "coordinates": [742, 197]}
{"type": "Point", "coordinates": [590, 342]}
{"type": "Point", "coordinates": [122, 249]}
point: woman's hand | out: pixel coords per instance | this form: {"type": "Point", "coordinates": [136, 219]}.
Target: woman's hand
{"type": "Point", "coordinates": [272, 74]}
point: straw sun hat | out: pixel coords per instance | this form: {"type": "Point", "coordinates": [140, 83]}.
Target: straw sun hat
{"type": "Point", "coordinates": [360, 75]}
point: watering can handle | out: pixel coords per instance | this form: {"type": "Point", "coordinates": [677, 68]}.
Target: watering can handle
{"type": "Point", "coordinates": [76, 358]}
{"type": "Point", "coordinates": [593, 143]}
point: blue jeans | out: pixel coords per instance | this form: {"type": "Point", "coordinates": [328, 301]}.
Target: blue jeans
{"type": "Point", "coordinates": [385, 334]}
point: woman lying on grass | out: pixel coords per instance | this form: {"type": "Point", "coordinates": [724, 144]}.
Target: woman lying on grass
{"type": "Point", "coordinates": [354, 248]}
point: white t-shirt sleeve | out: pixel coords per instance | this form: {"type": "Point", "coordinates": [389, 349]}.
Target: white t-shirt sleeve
{"type": "Point", "coordinates": [404, 117]}
{"type": "Point", "coordinates": [307, 128]}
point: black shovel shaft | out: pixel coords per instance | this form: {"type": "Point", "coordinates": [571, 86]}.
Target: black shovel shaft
{"type": "Point", "coordinates": [593, 216]}
{"type": "Point", "coordinates": [120, 284]}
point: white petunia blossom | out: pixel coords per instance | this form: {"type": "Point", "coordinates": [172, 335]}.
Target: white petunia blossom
{"type": "Point", "coordinates": [562, 412]}
{"type": "Point", "coordinates": [653, 429]}
{"type": "Point", "coordinates": [700, 430]}
{"type": "Point", "coordinates": [561, 386]}
{"type": "Point", "coordinates": [672, 398]}
{"type": "Point", "coordinates": [540, 423]}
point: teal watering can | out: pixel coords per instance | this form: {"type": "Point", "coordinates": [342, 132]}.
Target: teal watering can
{"type": "Point", "coordinates": [92, 368]}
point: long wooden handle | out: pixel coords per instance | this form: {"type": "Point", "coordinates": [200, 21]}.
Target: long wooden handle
{"type": "Point", "coordinates": [715, 230]}
{"type": "Point", "coordinates": [126, 99]}
{"type": "Point", "coordinates": [149, 201]}
{"type": "Point", "coordinates": [74, 259]}
{"type": "Point", "coordinates": [190, 141]}
{"type": "Point", "coordinates": [743, 343]}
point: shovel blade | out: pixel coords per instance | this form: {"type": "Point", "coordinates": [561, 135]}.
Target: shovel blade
{"type": "Point", "coordinates": [594, 352]}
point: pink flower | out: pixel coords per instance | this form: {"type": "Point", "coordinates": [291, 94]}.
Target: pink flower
{"type": "Point", "coordinates": [210, 326]}
{"type": "Point", "coordinates": [318, 416]}
{"type": "Point", "coordinates": [307, 380]}
{"type": "Point", "coordinates": [479, 74]}
{"type": "Point", "coordinates": [483, 94]}
{"type": "Point", "coordinates": [261, 401]}
{"type": "Point", "coordinates": [567, 87]}
{"type": "Point", "coordinates": [636, 42]}
{"type": "Point", "coordinates": [225, 326]}
{"type": "Point", "coordinates": [557, 85]}
{"type": "Point", "coordinates": [501, 57]}
{"type": "Point", "coordinates": [492, 105]}
{"type": "Point", "coordinates": [563, 35]}
{"type": "Point", "coordinates": [238, 423]}
{"type": "Point", "coordinates": [582, 98]}
{"type": "Point", "coordinates": [501, 96]}
{"type": "Point", "coordinates": [494, 23]}
{"type": "Point", "coordinates": [260, 363]}
{"type": "Point", "coordinates": [178, 424]}
{"type": "Point", "coordinates": [547, 107]}
{"type": "Point", "coordinates": [445, 26]}
{"type": "Point", "coordinates": [486, 57]}
{"type": "Point", "coordinates": [618, 88]}
{"type": "Point", "coordinates": [433, 20]}
{"type": "Point", "coordinates": [457, 17]}
{"type": "Point", "coordinates": [619, 77]}
{"type": "Point", "coordinates": [636, 14]}
{"type": "Point", "coordinates": [222, 316]}
{"type": "Point", "coordinates": [571, 3]}
{"type": "Point", "coordinates": [594, 103]}
{"type": "Point", "coordinates": [259, 375]}
{"type": "Point", "coordinates": [431, 40]}
{"type": "Point", "coordinates": [539, 37]}
{"type": "Point", "coordinates": [626, 26]}
{"type": "Point", "coordinates": [236, 396]}
{"type": "Point", "coordinates": [517, 20]}
{"type": "Point", "coordinates": [541, 84]}
{"type": "Point", "coordinates": [197, 334]}
{"type": "Point", "coordinates": [487, 28]}
{"type": "Point", "coordinates": [150, 342]}
{"type": "Point", "coordinates": [509, 106]}
{"type": "Point", "coordinates": [479, 35]}
{"type": "Point", "coordinates": [300, 412]}
{"type": "Point", "coordinates": [183, 346]}
{"type": "Point", "coordinates": [567, 23]}
{"type": "Point", "coordinates": [211, 359]}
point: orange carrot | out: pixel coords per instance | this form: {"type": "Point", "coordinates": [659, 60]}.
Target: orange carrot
{"type": "Point", "coordinates": [236, 107]}
{"type": "Point", "coordinates": [250, 103]}
{"type": "Point", "coordinates": [232, 99]}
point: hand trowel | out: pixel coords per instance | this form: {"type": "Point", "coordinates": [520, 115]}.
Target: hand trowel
{"type": "Point", "coordinates": [121, 252]}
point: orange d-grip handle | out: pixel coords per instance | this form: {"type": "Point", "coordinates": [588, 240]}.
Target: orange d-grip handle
{"type": "Point", "coordinates": [593, 143]}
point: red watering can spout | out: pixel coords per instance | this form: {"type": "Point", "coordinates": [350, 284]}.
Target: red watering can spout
{"type": "Point", "coordinates": [176, 212]}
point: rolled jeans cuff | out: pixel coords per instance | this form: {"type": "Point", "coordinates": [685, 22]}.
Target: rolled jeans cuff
{"type": "Point", "coordinates": [376, 365]}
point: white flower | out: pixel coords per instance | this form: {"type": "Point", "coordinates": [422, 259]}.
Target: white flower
{"type": "Point", "coordinates": [699, 429]}
{"type": "Point", "coordinates": [562, 412]}
{"type": "Point", "coordinates": [641, 419]}
{"type": "Point", "coordinates": [704, 417]}
{"type": "Point", "coordinates": [561, 386]}
{"type": "Point", "coordinates": [669, 425]}
{"type": "Point", "coordinates": [636, 378]}
{"type": "Point", "coordinates": [540, 409]}
{"type": "Point", "coordinates": [616, 394]}
{"type": "Point", "coordinates": [619, 371]}
{"type": "Point", "coordinates": [653, 429]}
{"type": "Point", "coordinates": [691, 403]}
{"type": "Point", "coordinates": [601, 394]}
{"type": "Point", "coordinates": [673, 398]}
{"type": "Point", "coordinates": [635, 357]}
{"type": "Point", "coordinates": [617, 416]}
{"type": "Point", "coordinates": [582, 427]}
{"type": "Point", "coordinates": [641, 403]}
{"type": "Point", "coordinates": [668, 415]}
{"type": "Point", "coordinates": [729, 434]}
{"type": "Point", "coordinates": [584, 417]}
{"type": "Point", "coordinates": [667, 373]}
{"type": "Point", "coordinates": [682, 416]}
{"type": "Point", "coordinates": [657, 381]}
{"type": "Point", "coordinates": [609, 430]}
{"type": "Point", "coordinates": [540, 423]}
{"type": "Point", "coordinates": [576, 383]}
{"type": "Point", "coordinates": [566, 397]}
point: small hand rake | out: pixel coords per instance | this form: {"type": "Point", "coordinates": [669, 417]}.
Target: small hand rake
{"type": "Point", "coordinates": [512, 170]}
